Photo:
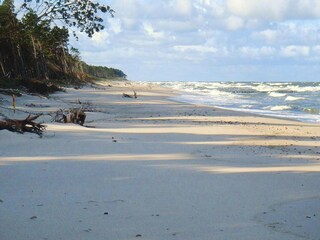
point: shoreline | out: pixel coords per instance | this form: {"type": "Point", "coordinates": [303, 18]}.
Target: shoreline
{"type": "Point", "coordinates": [190, 93]}
{"type": "Point", "coordinates": [152, 168]}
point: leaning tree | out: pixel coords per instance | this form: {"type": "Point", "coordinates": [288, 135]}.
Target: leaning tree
{"type": "Point", "coordinates": [37, 35]}
{"type": "Point", "coordinates": [81, 14]}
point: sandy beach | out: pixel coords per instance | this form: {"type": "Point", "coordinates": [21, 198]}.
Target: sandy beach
{"type": "Point", "coordinates": [153, 168]}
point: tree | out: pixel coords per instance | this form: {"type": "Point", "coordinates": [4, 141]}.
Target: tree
{"type": "Point", "coordinates": [81, 14]}
{"type": "Point", "coordinates": [36, 46]}
{"type": "Point", "coordinates": [11, 62]}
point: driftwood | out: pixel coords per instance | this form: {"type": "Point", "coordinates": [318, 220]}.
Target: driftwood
{"type": "Point", "coordinates": [125, 95]}
{"type": "Point", "coordinates": [77, 116]}
{"type": "Point", "coordinates": [22, 126]}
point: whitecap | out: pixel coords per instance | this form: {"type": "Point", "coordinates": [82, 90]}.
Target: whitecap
{"type": "Point", "coordinates": [263, 87]}
{"type": "Point", "coordinates": [296, 88]}
{"type": "Point", "coordinates": [291, 98]}
{"type": "Point", "coordinates": [278, 108]}
{"type": "Point", "coordinates": [276, 94]}
{"type": "Point", "coordinates": [279, 84]}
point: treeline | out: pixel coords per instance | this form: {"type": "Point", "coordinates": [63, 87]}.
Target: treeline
{"type": "Point", "coordinates": [102, 72]}
{"type": "Point", "coordinates": [32, 47]}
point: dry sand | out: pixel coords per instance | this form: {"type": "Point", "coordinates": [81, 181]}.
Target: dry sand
{"type": "Point", "coordinates": [152, 168]}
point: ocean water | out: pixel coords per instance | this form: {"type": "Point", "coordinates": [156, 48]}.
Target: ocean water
{"type": "Point", "coordinates": [299, 101]}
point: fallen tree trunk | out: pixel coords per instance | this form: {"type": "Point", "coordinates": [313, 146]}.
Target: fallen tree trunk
{"type": "Point", "coordinates": [22, 126]}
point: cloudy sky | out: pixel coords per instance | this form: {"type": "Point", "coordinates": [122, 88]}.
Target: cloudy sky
{"type": "Point", "coordinates": [209, 40]}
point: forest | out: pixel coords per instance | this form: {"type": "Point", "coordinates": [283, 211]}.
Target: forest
{"type": "Point", "coordinates": [34, 41]}
{"type": "Point", "coordinates": [102, 72]}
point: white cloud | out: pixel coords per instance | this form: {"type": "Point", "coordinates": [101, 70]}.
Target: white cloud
{"type": "Point", "coordinates": [265, 9]}
{"type": "Point", "coordinates": [295, 51]}
{"type": "Point", "coordinates": [182, 7]}
{"type": "Point", "coordinates": [275, 10]}
{"type": "Point", "coordinates": [234, 23]}
{"type": "Point", "coordinates": [269, 35]}
{"type": "Point", "coordinates": [287, 33]}
{"type": "Point", "coordinates": [127, 8]}
{"type": "Point", "coordinates": [100, 37]}
{"type": "Point", "coordinates": [213, 8]}
{"type": "Point", "coordinates": [254, 52]}
{"type": "Point", "coordinates": [230, 32]}
{"type": "Point", "coordinates": [316, 49]}
{"type": "Point", "coordinates": [115, 25]}
{"type": "Point", "coordinates": [149, 30]}
{"type": "Point", "coordinates": [177, 26]}
{"type": "Point", "coordinates": [252, 24]}
{"type": "Point", "coordinates": [195, 48]}
{"type": "Point", "coordinates": [129, 23]}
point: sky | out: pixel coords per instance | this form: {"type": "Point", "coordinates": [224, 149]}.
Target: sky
{"type": "Point", "coordinates": [209, 40]}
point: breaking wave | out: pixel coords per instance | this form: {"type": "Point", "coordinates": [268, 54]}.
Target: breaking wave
{"type": "Point", "coordinates": [262, 98]}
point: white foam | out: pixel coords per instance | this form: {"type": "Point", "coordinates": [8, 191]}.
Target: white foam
{"type": "Point", "coordinates": [278, 108]}
{"type": "Point", "coordinates": [278, 84]}
{"type": "Point", "coordinates": [291, 98]}
{"type": "Point", "coordinates": [251, 97]}
{"type": "Point", "coordinates": [296, 88]}
{"type": "Point", "coordinates": [267, 88]}
{"type": "Point", "coordinates": [276, 94]}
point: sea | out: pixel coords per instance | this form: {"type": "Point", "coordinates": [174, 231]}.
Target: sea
{"type": "Point", "coordinates": [294, 100]}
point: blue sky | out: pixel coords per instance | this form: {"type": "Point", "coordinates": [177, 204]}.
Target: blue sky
{"type": "Point", "coordinates": [209, 40]}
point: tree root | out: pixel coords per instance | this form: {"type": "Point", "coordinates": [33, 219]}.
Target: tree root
{"type": "Point", "coordinates": [22, 126]}
{"type": "Point", "coordinates": [76, 116]}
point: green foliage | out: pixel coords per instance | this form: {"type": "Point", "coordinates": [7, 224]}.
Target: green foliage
{"type": "Point", "coordinates": [8, 21]}
{"type": "Point", "coordinates": [84, 14]}
{"type": "Point", "coordinates": [34, 48]}
{"type": "Point", "coordinates": [102, 72]}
